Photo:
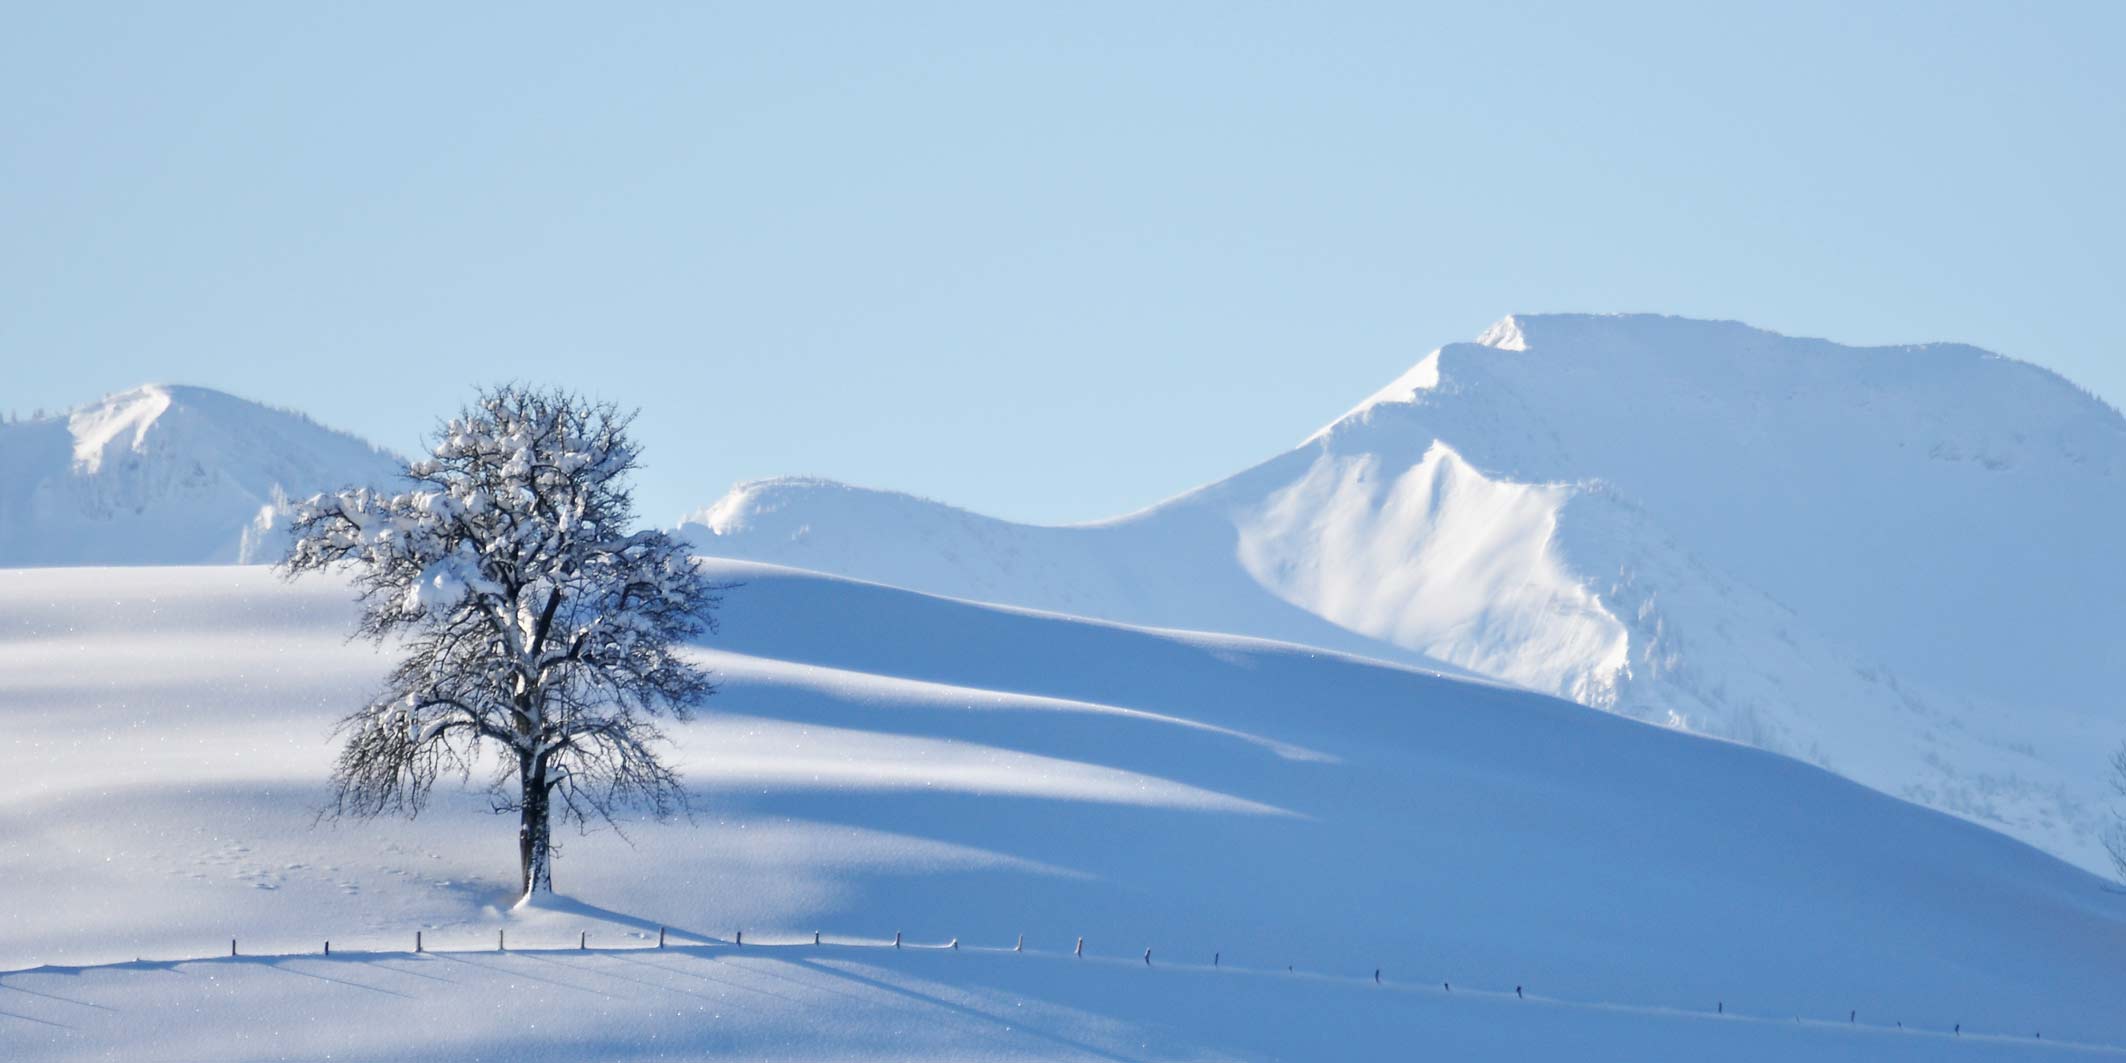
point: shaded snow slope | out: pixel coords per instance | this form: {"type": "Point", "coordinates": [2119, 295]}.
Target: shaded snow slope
{"type": "Point", "coordinates": [162, 475]}
{"type": "Point", "coordinates": [1151, 573]}
{"type": "Point", "coordinates": [882, 761]}
{"type": "Point", "coordinates": [1897, 563]}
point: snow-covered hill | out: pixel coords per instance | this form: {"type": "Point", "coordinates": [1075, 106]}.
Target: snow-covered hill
{"type": "Point", "coordinates": [163, 475]}
{"type": "Point", "coordinates": [882, 761]}
{"type": "Point", "coordinates": [1898, 563]}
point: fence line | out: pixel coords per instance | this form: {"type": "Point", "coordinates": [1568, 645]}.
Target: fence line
{"type": "Point", "coordinates": [821, 940]}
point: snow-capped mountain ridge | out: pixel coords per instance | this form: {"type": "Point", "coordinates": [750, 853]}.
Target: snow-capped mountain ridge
{"type": "Point", "coordinates": [1894, 562]}
{"type": "Point", "coordinates": [1864, 451]}
{"type": "Point", "coordinates": [163, 474]}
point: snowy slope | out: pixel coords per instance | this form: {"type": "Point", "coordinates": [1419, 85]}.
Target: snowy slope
{"type": "Point", "coordinates": [1897, 563]}
{"type": "Point", "coordinates": [162, 475]}
{"type": "Point", "coordinates": [883, 761]}
{"type": "Point", "coordinates": [1150, 573]}
{"type": "Point", "coordinates": [875, 1003]}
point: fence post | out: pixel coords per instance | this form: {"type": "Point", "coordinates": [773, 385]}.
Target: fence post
{"type": "Point", "coordinates": [583, 940]}
{"type": "Point", "coordinates": [1021, 946]}
{"type": "Point", "coordinates": [660, 937]}
{"type": "Point", "coordinates": [1215, 957]}
{"type": "Point", "coordinates": [741, 939]}
{"type": "Point", "coordinates": [896, 939]}
{"type": "Point", "coordinates": [232, 946]}
{"type": "Point", "coordinates": [955, 944]}
{"type": "Point", "coordinates": [416, 941]}
{"type": "Point", "coordinates": [328, 948]}
{"type": "Point", "coordinates": [1376, 976]}
{"type": "Point", "coordinates": [1147, 957]}
{"type": "Point", "coordinates": [815, 937]}
{"type": "Point", "coordinates": [1081, 948]}
{"type": "Point", "coordinates": [501, 942]}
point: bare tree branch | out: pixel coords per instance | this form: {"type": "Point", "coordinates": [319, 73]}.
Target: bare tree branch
{"type": "Point", "coordinates": [532, 621]}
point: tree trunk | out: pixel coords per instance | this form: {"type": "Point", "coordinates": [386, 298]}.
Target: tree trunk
{"type": "Point", "coordinates": [535, 850]}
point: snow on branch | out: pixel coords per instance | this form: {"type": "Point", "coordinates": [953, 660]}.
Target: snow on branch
{"type": "Point", "coordinates": [532, 618]}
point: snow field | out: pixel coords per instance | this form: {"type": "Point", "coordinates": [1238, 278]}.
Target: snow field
{"type": "Point", "coordinates": [837, 1001]}
{"type": "Point", "coordinates": [882, 761]}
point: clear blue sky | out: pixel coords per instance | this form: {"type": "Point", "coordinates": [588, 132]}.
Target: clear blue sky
{"type": "Point", "coordinates": [1052, 262]}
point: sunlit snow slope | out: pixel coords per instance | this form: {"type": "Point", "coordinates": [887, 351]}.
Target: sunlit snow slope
{"type": "Point", "coordinates": [1898, 563]}
{"type": "Point", "coordinates": [162, 475]}
{"type": "Point", "coordinates": [882, 761]}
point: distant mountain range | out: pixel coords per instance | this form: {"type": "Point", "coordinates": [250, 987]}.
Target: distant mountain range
{"type": "Point", "coordinates": [1899, 563]}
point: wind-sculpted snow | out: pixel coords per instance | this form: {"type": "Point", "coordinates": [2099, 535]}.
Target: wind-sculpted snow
{"type": "Point", "coordinates": [1439, 559]}
{"type": "Point", "coordinates": [1899, 563]}
{"type": "Point", "coordinates": [165, 475]}
{"type": "Point", "coordinates": [879, 761]}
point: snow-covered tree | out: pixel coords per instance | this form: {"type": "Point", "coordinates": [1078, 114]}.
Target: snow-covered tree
{"type": "Point", "coordinates": [534, 623]}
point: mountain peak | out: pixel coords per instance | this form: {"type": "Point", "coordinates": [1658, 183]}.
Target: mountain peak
{"type": "Point", "coordinates": [163, 473]}
{"type": "Point", "coordinates": [132, 420]}
{"type": "Point", "coordinates": [1505, 334]}
{"type": "Point", "coordinates": [122, 417]}
{"type": "Point", "coordinates": [1520, 332]}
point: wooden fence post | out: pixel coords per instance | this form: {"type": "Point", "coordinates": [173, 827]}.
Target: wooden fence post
{"type": "Point", "coordinates": [660, 937]}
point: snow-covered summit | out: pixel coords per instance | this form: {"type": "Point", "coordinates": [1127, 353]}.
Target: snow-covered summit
{"type": "Point", "coordinates": [162, 474]}
{"type": "Point", "coordinates": [1896, 562]}
{"type": "Point", "coordinates": [1590, 332]}
{"type": "Point", "coordinates": [1505, 334]}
